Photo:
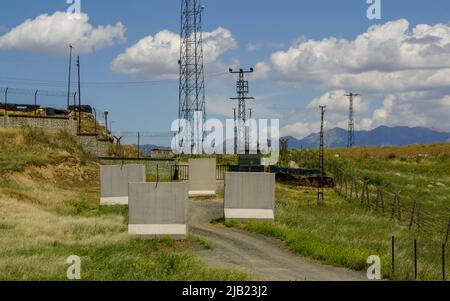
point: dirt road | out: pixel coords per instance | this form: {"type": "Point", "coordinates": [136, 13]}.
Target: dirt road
{"type": "Point", "coordinates": [262, 257]}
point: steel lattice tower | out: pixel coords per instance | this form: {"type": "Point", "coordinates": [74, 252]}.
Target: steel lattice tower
{"type": "Point", "coordinates": [351, 121]}
{"type": "Point", "coordinates": [242, 92]}
{"type": "Point", "coordinates": [192, 79]}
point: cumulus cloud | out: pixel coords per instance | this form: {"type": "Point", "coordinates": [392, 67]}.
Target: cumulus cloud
{"type": "Point", "coordinates": [386, 57]}
{"type": "Point", "coordinates": [425, 109]}
{"type": "Point", "coordinates": [403, 73]}
{"type": "Point", "coordinates": [156, 57]}
{"type": "Point", "coordinates": [53, 33]}
{"type": "Point", "coordinates": [299, 129]}
{"type": "Point", "coordinates": [262, 70]}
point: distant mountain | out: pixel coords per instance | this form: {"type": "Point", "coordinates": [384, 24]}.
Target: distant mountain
{"type": "Point", "coordinates": [381, 136]}
{"type": "Point", "coordinates": [147, 148]}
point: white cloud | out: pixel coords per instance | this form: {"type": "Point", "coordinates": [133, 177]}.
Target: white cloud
{"type": "Point", "coordinates": [262, 71]}
{"type": "Point", "coordinates": [408, 109]}
{"type": "Point", "coordinates": [53, 33]}
{"type": "Point", "coordinates": [338, 102]}
{"type": "Point", "coordinates": [156, 57]}
{"type": "Point", "coordinates": [386, 57]}
{"type": "Point", "coordinates": [403, 74]}
{"type": "Point", "coordinates": [300, 129]}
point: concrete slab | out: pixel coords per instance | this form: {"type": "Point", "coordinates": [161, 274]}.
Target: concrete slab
{"type": "Point", "coordinates": [249, 196]}
{"type": "Point", "coordinates": [114, 181]}
{"type": "Point", "coordinates": [158, 209]}
{"type": "Point", "coordinates": [202, 177]}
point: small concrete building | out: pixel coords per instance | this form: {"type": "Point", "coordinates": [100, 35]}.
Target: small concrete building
{"type": "Point", "coordinates": [249, 196]}
{"type": "Point", "coordinates": [162, 154]}
{"type": "Point", "coordinates": [114, 181]}
{"type": "Point", "coordinates": [158, 209]}
{"type": "Point", "coordinates": [202, 177]}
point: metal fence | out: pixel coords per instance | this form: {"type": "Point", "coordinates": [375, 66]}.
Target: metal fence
{"type": "Point", "coordinates": [388, 202]}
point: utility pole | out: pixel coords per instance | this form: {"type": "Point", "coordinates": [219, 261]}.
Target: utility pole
{"type": "Point", "coordinates": [70, 73]}
{"type": "Point", "coordinates": [242, 91]}
{"type": "Point", "coordinates": [79, 95]}
{"type": "Point", "coordinates": [351, 121]}
{"type": "Point", "coordinates": [192, 78]}
{"type": "Point", "coordinates": [235, 131]}
{"type": "Point", "coordinates": [320, 191]}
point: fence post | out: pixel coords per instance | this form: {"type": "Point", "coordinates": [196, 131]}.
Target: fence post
{"type": "Point", "coordinates": [443, 264]}
{"type": "Point", "coordinates": [413, 214]}
{"type": "Point", "coordinates": [415, 259]}
{"type": "Point", "coordinates": [396, 210]}
{"type": "Point", "coordinates": [393, 254]}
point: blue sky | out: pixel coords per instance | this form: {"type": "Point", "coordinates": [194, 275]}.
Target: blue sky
{"type": "Point", "coordinates": [259, 29]}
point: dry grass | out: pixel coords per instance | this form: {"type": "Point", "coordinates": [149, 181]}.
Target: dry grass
{"type": "Point", "coordinates": [49, 210]}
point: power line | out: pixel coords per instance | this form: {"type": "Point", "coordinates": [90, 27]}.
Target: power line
{"type": "Point", "coordinates": [93, 84]}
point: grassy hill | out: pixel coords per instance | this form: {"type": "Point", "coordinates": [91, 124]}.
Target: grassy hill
{"type": "Point", "coordinates": [49, 210]}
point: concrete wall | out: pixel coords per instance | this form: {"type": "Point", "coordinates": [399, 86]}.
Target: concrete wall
{"type": "Point", "coordinates": [249, 196]}
{"type": "Point", "coordinates": [158, 209]}
{"type": "Point", "coordinates": [47, 124]}
{"type": "Point", "coordinates": [202, 177]}
{"type": "Point", "coordinates": [92, 145]}
{"type": "Point", "coordinates": [89, 142]}
{"type": "Point", "coordinates": [114, 180]}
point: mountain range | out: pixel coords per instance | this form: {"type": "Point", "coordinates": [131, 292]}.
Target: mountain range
{"type": "Point", "coordinates": [381, 136]}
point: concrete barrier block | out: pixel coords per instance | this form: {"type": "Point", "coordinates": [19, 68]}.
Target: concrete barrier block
{"type": "Point", "coordinates": [249, 196]}
{"type": "Point", "coordinates": [202, 177]}
{"type": "Point", "coordinates": [158, 209]}
{"type": "Point", "coordinates": [114, 181]}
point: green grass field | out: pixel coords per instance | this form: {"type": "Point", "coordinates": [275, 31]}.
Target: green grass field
{"type": "Point", "coordinates": [342, 234]}
{"type": "Point", "coordinates": [49, 210]}
{"type": "Point", "coordinates": [346, 232]}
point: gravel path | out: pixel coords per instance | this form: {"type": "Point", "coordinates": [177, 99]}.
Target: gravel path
{"type": "Point", "coordinates": [262, 257]}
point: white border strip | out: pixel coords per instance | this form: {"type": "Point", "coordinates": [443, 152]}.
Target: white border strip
{"type": "Point", "coordinates": [122, 200]}
{"type": "Point", "coordinates": [249, 214]}
{"type": "Point", "coordinates": [169, 229]}
{"type": "Point", "coordinates": [202, 192]}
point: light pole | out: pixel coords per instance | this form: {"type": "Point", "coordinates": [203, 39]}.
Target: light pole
{"type": "Point", "coordinates": [105, 114]}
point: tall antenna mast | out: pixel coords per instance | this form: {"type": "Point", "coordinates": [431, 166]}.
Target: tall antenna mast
{"type": "Point", "coordinates": [320, 191]}
{"type": "Point", "coordinates": [351, 121]}
{"type": "Point", "coordinates": [192, 79]}
{"type": "Point", "coordinates": [242, 91]}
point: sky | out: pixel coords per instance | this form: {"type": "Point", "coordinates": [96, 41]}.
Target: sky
{"type": "Point", "coordinates": [305, 54]}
